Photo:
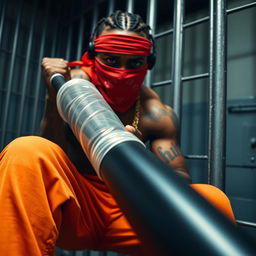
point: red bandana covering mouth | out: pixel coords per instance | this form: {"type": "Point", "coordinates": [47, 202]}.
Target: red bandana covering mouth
{"type": "Point", "coordinates": [119, 87]}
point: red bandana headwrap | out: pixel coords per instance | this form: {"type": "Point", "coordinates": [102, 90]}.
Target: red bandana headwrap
{"type": "Point", "coordinates": [119, 87]}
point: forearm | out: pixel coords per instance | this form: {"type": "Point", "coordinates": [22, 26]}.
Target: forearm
{"type": "Point", "coordinates": [170, 154]}
{"type": "Point", "coordinates": [52, 126]}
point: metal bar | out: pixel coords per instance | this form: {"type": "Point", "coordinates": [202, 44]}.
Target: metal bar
{"type": "Point", "coordinates": [196, 22]}
{"type": "Point", "coordinates": [69, 38]}
{"type": "Point", "coordinates": [210, 96]}
{"type": "Point", "coordinates": [198, 157]}
{"type": "Point", "coordinates": [201, 20]}
{"type": "Point", "coordinates": [56, 34]}
{"type": "Point", "coordinates": [242, 7]}
{"type": "Point", "coordinates": [242, 108]}
{"type": "Point", "coordinates": [218, 154]}
{"type": "Point", "coordinates": [246, 223]}
{"type": "Point", "coordinates": [38, 79]}
{"type": "Point", "coordinates": [186, 25]}
{"type": "Point", "coordinates": [95, 16]}
{"type": "Point", "coordinates": [80, 38]}
{"type": "Point", "coordinates": [162, 83]}
{"type": "Point", "coordinates": [69, 34]}
{"type": "Point", "coordinates": [241, 166]}
{"type": "Point", "coordinates": [111, 6]}
{"type": "Point", "coordinates": [194, 77]}
{"type": "Point", "coordinates": [177, 56]}
{"type": "Point", "coordinates": [130, 6]}
{"type": "Point", "coordinates": [186, 78]}
{"type": "Point", "coordinates": [26, 68]}
{"type": "Point", "coordinates": [2, 18]}
{"type": "Point", "coordinates": [11, 73]}
{"type": "Point", "coordinates": [151, 20]}
{"type": "Point", "coordinates": [164, 33]}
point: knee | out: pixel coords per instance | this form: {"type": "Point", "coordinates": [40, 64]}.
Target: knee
{"type": "Point", "coordinates": [28, 147]}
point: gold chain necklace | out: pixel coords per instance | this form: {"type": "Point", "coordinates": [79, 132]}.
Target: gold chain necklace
{"type": "Point", "coordinates": [136, 118]}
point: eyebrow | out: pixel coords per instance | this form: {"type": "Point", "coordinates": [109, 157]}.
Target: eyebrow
{"type": "Point", "coordinates": [110, 54]}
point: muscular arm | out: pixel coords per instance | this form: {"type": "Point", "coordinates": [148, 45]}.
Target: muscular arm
{"type": "Point", "coordinates": [52, 125]}
{"type": "Point", "coordinates": [164, 139]}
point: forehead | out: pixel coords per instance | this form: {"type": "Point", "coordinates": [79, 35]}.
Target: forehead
{"type": "Point", "coordinates": [108, 30]}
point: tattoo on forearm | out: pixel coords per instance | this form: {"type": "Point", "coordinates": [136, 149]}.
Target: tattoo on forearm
{"type": "Point", "coordinates": [169, 155]}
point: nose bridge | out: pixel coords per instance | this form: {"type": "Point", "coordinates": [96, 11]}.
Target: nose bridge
{"type": "Point", "coordinates": [124, 62]}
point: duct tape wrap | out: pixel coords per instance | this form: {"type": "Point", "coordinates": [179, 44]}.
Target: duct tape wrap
{"type": "Point", "coordinates": [95, 125]}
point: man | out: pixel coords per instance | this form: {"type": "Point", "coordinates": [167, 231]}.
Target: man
{"type": "Point", "coordinates": [50, 190]}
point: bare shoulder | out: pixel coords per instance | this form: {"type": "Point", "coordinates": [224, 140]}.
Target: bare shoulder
{"type": "Point", "coordinates": [79, 73]}
{"type": "Point", "coordinates": [158, 119]}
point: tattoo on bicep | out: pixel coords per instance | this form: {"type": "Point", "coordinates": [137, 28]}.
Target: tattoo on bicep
{"type": "Point", "coordinates": [159, 113]}
{"type": "Point", "coordinates": [169, 155]}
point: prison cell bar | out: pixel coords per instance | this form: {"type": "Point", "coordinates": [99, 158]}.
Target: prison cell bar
{"type": "Point", "coordinates": [26, 68]}
{"type": "Point", "coordinates": [130, 6]}
{"type": "Point", "coordinates": [38, 82]}
{"type": "Point", "coordinates": [80, 37]}
{"type": "Point", "coordinates": [2, 18]}
{"type": "Point", "coordinates": [151, 21]}
{"type": "Point", "coordinates": [217, 142]}
{"type": "Point", "coordinates": [177, 57]}
{"type": "Point", "coordinates": [178, 213]}
{"type": "Point", "coordinates": [215, 161]}
{"type": "Point", "coordinates": [111, 6]}
{"type": "Point", "coordinates": [10, 76]}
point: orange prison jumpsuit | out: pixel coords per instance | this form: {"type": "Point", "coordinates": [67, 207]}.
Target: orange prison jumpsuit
{"type": "Point", "coordinates": [45, 201]}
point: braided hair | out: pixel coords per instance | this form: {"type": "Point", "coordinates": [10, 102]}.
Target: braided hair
{"type": "Point", "coordinates": [123, 21]}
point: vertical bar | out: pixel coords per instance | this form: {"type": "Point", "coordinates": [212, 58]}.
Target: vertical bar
{"type": "Point", "coordinates": [24, 81]}
{"type": "Point", "coordinates": [151, 21]}
{"type": "Point", "coordinates": [111, 6]}
{"type": "Point", "coordinates": [80, 38]}
{"type": "Point", "coordinates": [2, 18]}
{"type": "Point", "coordinates": [218, 138]}
{"type": "Point", "coordinates": [95, 16]}
{"type": "Point", "coordinates": [210, 101]}
{"type": "Point", "coordinates": [56, 34]}
{"type": "Point", "coordinates": [38, 79]}
{"type": "Point", "coordinates": [10, 73]}
{"type": "Point", "coordinates": [130, 6]}
{"type": "Point", "coordinates": [177, 56]}
{"type": "Point", "coordinates": [69, 34]}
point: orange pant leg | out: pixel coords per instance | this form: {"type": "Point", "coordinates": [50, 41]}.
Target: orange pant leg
{"type": "Point", "coordinates": [45, 200]}
{"type": "Point", "coordinates": [39, 191]}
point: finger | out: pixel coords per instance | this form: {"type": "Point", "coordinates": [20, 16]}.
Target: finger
{"type": "Point", "coordinates": [130, 128]}
{"type": "Point", "coordinates": [134, 131]}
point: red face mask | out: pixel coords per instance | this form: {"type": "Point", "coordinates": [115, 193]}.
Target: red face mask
{"type": "Point", "coordinates": [119, 87]}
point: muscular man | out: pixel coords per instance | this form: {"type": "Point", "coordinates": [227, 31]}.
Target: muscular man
{"type": "Point", "coordinates": [50, 191]}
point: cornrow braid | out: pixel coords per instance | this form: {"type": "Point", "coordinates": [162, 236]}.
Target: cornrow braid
{"type": "Point", "coordinates": [123, 21]}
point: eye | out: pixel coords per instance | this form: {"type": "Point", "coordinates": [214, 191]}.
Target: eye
{"type": "Point", "coordinates": [137, 63]}
{"type": "Point", "coordinates": [111, 61]}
